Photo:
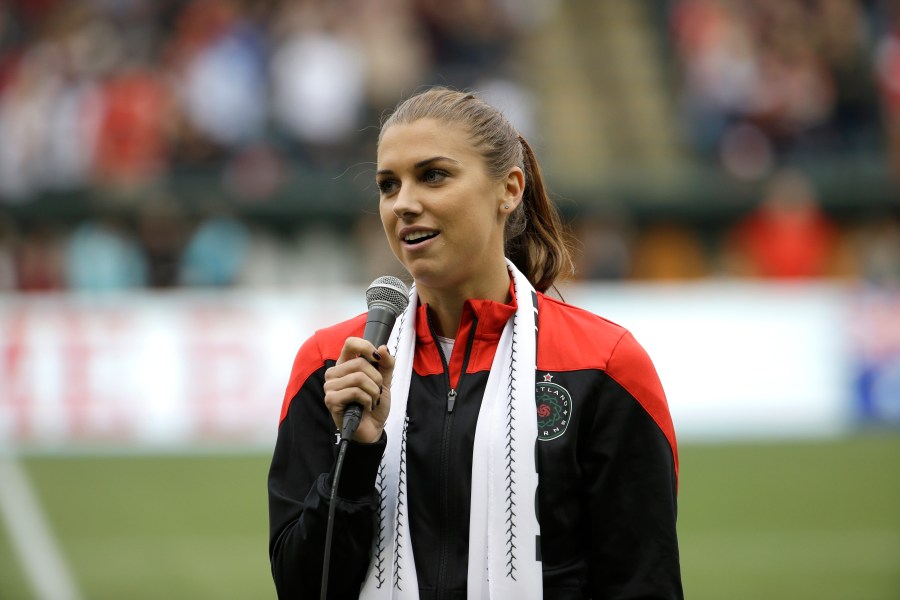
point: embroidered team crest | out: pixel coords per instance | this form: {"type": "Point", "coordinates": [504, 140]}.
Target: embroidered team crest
{"type": "Point", "coordinates": [554, 408]}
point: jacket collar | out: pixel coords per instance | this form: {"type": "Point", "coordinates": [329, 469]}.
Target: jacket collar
{"type": "Point", "coordinates": [490, 316]}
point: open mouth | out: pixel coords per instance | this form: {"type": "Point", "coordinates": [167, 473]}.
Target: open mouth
{"type": "Point", "coordinates": [419, 237]}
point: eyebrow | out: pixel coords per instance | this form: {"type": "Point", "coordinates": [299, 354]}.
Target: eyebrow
{"type": "Point", "coordinates": [419, 164]}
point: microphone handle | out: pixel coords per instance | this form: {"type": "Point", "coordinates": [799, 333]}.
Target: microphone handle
{"type": "Point", "coordinates": [379, 323]}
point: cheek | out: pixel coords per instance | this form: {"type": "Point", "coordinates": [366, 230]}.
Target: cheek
{"type": "Point", "coordinates": [389, 223]}
{"type": "Point", "coordinates": [387, 218]}
{"type": "Point", "coordinates": [478, 227]}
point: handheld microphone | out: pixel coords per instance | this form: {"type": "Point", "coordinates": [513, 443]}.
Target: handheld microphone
{"type": "Point", "coordinates": [386, 298]}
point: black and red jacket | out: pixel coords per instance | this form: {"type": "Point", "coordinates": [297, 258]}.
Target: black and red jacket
{"type": "Point", "coordinates": [607, 462]}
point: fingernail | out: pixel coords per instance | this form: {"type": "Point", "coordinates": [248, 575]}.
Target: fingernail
{"type": "Point", "coordinates": [376, 355]}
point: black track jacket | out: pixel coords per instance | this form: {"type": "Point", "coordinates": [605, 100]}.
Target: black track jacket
{"type": "Point", "coordinates": [607, 463]}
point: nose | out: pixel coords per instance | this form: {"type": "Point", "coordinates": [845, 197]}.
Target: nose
{"type": "Point", "coordinates": [407, 204]}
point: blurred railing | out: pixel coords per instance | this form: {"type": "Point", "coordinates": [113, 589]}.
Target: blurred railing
{"type": "Point", "coordinates": [846, 187]}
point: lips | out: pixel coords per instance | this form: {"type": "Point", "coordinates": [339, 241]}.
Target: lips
{"type": "Point", "coordinates": [418, 236]}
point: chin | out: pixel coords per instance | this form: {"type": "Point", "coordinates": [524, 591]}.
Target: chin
{"type": "Point", "coordinates": [428, 276]}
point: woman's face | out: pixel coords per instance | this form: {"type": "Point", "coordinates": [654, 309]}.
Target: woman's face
{"type": "Point", "coordinates": [442, 213]}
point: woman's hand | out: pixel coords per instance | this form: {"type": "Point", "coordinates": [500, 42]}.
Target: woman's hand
{"type": "Point", "coordinates": [355, 379]}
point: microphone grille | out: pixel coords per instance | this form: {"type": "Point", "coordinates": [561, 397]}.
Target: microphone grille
{"type": "Point", "coordinates": [389, 292]}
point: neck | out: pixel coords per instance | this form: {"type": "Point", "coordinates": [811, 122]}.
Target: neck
{"type": "Point", "coordinates": [447, 303]}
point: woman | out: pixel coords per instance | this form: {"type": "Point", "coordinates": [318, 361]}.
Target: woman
{"type": "Point", "coordinates": [511, 445]}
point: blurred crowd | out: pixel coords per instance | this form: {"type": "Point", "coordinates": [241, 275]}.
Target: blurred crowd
{"type": "Point", "coordinates": [121, 94]}
{"type": "Point", "coordinates": [769, 81]}
{"type": "Point", "coordinates": [118, 95]}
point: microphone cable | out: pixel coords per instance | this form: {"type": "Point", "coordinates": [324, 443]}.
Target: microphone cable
{"type": "Point", "coordinates": [329, 529]}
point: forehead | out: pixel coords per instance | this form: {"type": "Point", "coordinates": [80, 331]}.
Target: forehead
{"type": "Point", "coordinates": [407, 143]}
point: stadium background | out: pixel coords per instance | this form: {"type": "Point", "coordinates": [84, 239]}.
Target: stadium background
{"type": "Point", "coordinates": [186, 190]}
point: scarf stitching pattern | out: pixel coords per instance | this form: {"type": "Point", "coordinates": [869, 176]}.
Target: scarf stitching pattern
{"type": "Point", "coordinates": [379, 549]}
{"type": "Point", "coordinates": [401, 493]}
{"type": "Point", "coordinates": [379, 537]}
{"type": "Point", "coordinates": [510, 464]}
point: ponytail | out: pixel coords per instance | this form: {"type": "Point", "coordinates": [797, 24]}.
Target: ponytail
{"type": "Point", "coordinates": [536, 241]}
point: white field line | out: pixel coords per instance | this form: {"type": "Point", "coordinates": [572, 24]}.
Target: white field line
{"type": "Point", "coordinates": [31, 536]}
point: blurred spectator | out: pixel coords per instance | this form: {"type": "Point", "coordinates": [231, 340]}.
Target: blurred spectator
{"type": "Point", "coordinates": [100, 256]}
{"type": "Point", "coordinates": [318, 78]}
{"type": "Point", "coordinates": [162, 229]}
{"type": "Point", "coordinates": [132, 148]}
{"type": "Point", "coordinates": [669, 252]}
{"type": "Point", "coordinates": [720, 71]}
{"type": "Point", "coordinates": [30, 95]}
{"type": "Point", "coordinates": [888, 69]}
{"type": "Point", "coordinates": [48, 117]}
{"type": "Point", "coordinates": [8, 246]}
{"type": "Point", "coordinates": [604, 247]}
{"type": "Point", "coordinates": [469, 39]}
{"type": "Point", "coordinates": [787, 235]}
{"type": "Point", "coordinates": [41, 259]}
{"type": "Point", "coordinates": [215, 254]}
{"type": "Point", "coordinates": [795, 97]}
{"type": "Point", "coordinates": [847, 44]}
{"type": "Point", "coordinates": [396, 53]}
{"type": "Point", "coordinates": [220, 62]}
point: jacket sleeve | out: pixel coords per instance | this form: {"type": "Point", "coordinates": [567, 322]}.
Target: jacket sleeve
{"type": "Point", "coordinates": [299, 487]}
{"type": "Point", "coordinates": [632, 464]}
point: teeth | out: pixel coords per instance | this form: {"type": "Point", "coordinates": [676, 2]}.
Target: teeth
{"type": "Point", "coordinates": [418, 235]}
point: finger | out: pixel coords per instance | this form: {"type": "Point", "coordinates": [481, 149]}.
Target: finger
{"type": "Point", "coordinates": [368, 383]}
{"type": "Point", "coordinates": [354, 347]}
{"type": "Point", "coordinates": [337, 400]}
{"type": "Point", "coordinates": [354, 365]}
{"type": "Point", "coordinates": [383, 393]}
{"type": "Point", "coordinates": [386, 364]}
{"type": "Point", "coordinates": [383, 357]}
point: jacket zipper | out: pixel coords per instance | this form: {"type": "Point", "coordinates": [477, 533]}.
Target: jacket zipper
{"type": "Point", "coordinates": [445, 451]}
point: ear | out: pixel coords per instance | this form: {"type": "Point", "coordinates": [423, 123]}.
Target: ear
{"type": "Point", "coordinates": [513, 188]}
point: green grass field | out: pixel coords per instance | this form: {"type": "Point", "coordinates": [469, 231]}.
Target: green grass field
{"type": "Point", "coordinates": [818, 520]}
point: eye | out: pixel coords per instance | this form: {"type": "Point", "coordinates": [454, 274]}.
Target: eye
{"type": "Point", "coordinates": [434, 176]}
{"type": "Point", "coordinates": [387, 186]}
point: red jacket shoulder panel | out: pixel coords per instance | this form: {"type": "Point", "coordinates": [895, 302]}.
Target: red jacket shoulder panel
{"type": "Point", "coordinates": [573, 339]}
{"type": "Point", "coordinates": [324, 344]}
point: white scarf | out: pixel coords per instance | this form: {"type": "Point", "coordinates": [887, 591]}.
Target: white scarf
{"type": "Point", "coordinates": [503, 527]}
